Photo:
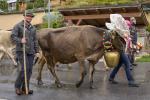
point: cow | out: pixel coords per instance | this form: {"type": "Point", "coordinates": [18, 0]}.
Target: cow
{"type": "Point", "coordinates": [6, 46]}
{"type": "Point", "coordinates": [70, 44]}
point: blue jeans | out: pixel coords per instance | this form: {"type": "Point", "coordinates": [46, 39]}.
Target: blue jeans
{"type": "Point", "coordinates": [20, 81]}
{"type": "Point", "coordinates": [123, 60]}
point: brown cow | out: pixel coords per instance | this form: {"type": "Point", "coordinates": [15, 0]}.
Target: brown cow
{"type": "Point", "coordinates": [6, 46]}
{"type": "Point", "coordinates": [71, 44]}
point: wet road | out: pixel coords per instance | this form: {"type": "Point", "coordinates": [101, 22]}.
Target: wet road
{"type": "Point", "coordinates": [103, 89]}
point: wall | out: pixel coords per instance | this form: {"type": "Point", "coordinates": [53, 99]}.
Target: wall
{"type": "Point", "coordinates": [8, 21]}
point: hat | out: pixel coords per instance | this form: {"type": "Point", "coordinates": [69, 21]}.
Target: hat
{"type": "Point", "coordinates": [30, 14]}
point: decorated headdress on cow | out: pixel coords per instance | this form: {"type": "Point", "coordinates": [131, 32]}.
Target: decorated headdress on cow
{"type": "Point", "coordinates": [118, 24]}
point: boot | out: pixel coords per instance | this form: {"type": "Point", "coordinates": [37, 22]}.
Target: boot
{"type": "Point", "coordinates": [29, 91]}
{"type": "Point", "coordinates": [112, 81]}
{"type": "Point", "coordinates": [18, 91]}
{"type": "Point", "coordinates": [133, 84]}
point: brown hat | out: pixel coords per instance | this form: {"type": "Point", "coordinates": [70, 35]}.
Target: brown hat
{"type": "Point", "coordinates": [30, 14]}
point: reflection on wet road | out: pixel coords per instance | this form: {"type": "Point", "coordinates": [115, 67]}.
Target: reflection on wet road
{"type": "Point", "coordinates": [103, 89]}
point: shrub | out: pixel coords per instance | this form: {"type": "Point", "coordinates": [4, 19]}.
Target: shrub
{"type": "Point", "coordinates": [56, 20]}
{"type": "Point", "coordinates": [145, 58]}
{"type": "Point", "coordinates": [148, 28]}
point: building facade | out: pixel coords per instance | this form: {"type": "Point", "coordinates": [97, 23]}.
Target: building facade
{"type": "Point", "coordinates": [11, 5]}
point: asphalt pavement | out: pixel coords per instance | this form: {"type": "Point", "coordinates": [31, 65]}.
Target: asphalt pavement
{"type": "Point", "coordinates": [103, 89]}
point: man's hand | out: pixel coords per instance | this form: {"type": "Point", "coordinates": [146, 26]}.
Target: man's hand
{"type": "Point", "coordinates": [23, 40]}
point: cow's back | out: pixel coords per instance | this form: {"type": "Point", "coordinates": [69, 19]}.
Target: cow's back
{"type": "Point", "coordinates": [68, 43]}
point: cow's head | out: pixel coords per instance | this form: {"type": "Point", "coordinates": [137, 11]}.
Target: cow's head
{"type": "Point", "coordinates": [108, 37]}
{"type": "Point", "coordinates": [112, 40]}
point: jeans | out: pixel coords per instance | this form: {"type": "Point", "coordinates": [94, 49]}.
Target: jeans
{"type": "Point", "coordinates": [20, 81]}
{"type": "Point", "coordinates": [123, 60]}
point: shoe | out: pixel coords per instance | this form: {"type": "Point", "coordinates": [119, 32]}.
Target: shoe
{"type": "Point", "coordinates": [131, 68]}
{"type": "Point", "coordinates": [18, 91]}
{"type": "Point", "coordinates": [132, 84]}
{"type": "Point", "coordinates": [112, 81]}
{"type": "Point", "coordinates": [134, 64]}
{"type": "Point", "coordinates": [29, 92]}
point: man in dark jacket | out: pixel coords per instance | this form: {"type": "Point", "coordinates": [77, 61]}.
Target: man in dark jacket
{"type": "Point", "coordinates": [31, 49]}
{"type": "Point", "coordinates": [134, 37]}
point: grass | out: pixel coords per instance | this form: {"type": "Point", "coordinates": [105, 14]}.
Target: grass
{"type": "Point", "coordinates": [81, 3]}
{"type": "Point", "coordinates": [145, 58]}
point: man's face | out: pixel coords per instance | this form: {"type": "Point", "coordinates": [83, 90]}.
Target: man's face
{"type": "Point", "coordinates": [28, 19]}
{"type": "Point", "coordinates": [133, 20]}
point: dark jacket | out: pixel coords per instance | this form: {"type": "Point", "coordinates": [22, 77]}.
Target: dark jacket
{"type": "Point", "coordinates": [133, 33]}
{"type": "Point", "coordinates": [31, 46]}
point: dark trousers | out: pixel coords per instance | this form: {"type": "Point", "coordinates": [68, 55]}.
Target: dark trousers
{"type": "Point", "coordinates": [131, 55]}
{"type": "Point", "coordinates": [123, 60]}
{"type": "Point", "coordinates": [20, 81]}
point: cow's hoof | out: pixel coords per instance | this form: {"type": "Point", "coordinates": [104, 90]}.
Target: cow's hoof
{"type": "Point", "coordinates": [59, 85]}
{"type": "Point", "coordinates": [40, 82]}
{"type": "Point", "coordinates": [92, 86]}
{"type": "Point", "coordinates": [15, 66]}
{"type": "Point", "coordinates": [78, 84]}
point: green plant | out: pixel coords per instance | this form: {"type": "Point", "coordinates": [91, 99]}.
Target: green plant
{"type": "Point", "coordinates": [78, 3]}
{"type": "Point", "coordinates": [145, 58]}
{"type": "Point", "coordinates": [55, 20]}
{"type": "Point", "coordinates": [147, 39]}
{"type": "Point", "coordinates": [38, 3]}
{"type": "Point", "coordinates": [3, 5]}
{"type": "Point", "coordinates": [30, 6]}
{"type": "Point", "coordinates": [148, 28]}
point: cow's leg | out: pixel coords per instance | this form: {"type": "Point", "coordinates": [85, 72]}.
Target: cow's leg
{"type": "Point", "coordinates": [2, 52]}
{"type": "Point", "coordinates": [51, 66]}
{"type": "Point", "coordinates": [82, 72]}
{"type": "Point", "coordinates": [91, 72]}
{"type": "Point", "coordinates": [1, 55]}
{"type": "Point", "coordinates": [11, 56]}
{"type": "Point", "coordinates": [40, 68]}
{"type": "Point", "coordinates": [105, 65]}
{"type": "Point", "coordinates": [93, 59]}
{"type": "Point", "coordinates": [52, 70]}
